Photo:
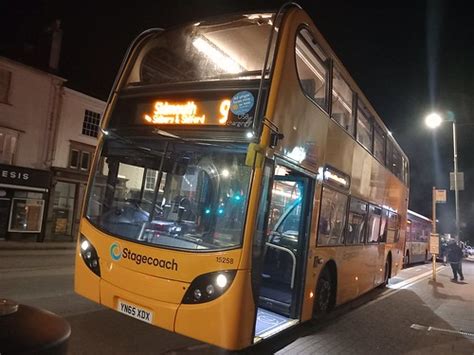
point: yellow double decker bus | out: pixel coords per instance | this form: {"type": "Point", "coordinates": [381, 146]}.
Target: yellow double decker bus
{"type": "Point", "coordinates": [243, 183]}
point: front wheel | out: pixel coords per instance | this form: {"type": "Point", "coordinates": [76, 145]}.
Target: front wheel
{"type": "Point", "coordinates": [324, 292]}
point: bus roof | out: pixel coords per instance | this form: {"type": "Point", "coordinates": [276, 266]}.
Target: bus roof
{"type": "Point", "coordinates": [413, 213]}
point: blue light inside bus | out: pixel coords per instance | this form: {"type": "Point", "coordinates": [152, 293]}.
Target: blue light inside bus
{"type": "Point", "coordinates": [207, 211]}
{"type": "Point", "coordinates": [220, 211]}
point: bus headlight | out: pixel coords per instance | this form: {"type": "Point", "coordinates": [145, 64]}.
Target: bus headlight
{"type": "Point", "coordinates": [89, 255]}
{"type": "Point", "coordinates": [208, 287]}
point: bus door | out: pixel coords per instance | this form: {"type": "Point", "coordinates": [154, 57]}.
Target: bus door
{"type": "Point", "coordinates": [282, 271]}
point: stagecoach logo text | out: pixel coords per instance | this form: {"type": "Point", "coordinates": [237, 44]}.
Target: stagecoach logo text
{"type": "Point", "coordinates": [117, 253]}
{"type": "Point", "coordinates": [166, 113]}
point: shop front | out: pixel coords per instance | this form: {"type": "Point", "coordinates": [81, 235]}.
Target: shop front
{"type": "Point", "coordinates": [66, 201]}
{"type": "Point", "coordinates": [23, 202]}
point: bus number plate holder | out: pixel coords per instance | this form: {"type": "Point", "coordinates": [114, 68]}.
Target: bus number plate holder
{"type": "Point", "coordinates": [135, 311]}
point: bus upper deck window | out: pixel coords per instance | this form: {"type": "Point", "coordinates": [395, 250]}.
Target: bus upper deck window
{"type": "Point", "coordinates": [312, 68]}
{"type": "Point", "coordinates": [342, 102]}
{"type": "Point", "coordinates": [364, 126]}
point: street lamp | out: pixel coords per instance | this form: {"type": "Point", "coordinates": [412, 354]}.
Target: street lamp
{"type": "Point", "coordinates": [434, 120]}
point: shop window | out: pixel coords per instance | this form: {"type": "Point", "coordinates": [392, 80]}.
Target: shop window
{"type": "Point", "coordinates": [332, 218]}
{"type": "Point", "coordinates": [356, 222]}
{"type": "Point", "coordinates": [342, 102]}
{"type": "Point", "coordinates": [5, 82]}
{"type": "Point", "coordinates": [26, 215]}
{"type": "Point", "coordinates": [63, 207]}
{"type": "Point", "coordinates": [91, 123]}
{"type": "Point", "coordinates": [8, 145]}
{"type": "Point", "coordinates": [312, 68]}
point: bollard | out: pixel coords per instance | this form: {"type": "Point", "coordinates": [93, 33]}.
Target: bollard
{"type": "Point", "coordinates": [28, 330]}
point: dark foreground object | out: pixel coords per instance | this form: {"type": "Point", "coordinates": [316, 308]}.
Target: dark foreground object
{"type": "Point", "coordinates": [30, 330]}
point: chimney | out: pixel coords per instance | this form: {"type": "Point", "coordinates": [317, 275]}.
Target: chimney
{"type": "Point", "coordinates": [56, 39]}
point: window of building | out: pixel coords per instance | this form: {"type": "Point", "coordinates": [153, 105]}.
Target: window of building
{"type": "Point", "coordinates": [332, 217]}
{"type": "Point", "coordinates": [342, 102]}
{"type": "Point", "coordinates": [74, 158]}
{"type": "Point", "coordinates": [91, 124]}
{"type": "Point", "coordinates": [150, 179]}
{"type": "Point", "coordinates": [356, 222]}
{"type": "Point", "coordinates": [80, 156]}
{"type": "Point", "coordinates": [26, 215]}
{"type": "Point", "coordinates": [5, 81]}
{"type": "Point", "coordinates": [375, 217]}
{"type": "Point", "coordinates": [312, 68]}
{"type": "Point", "coordinates": [85, 160]}
{"type": "Point", "coordinates": [8, 145]}
{"type": "Point", "coordinates": [379, 144]}
{"type": "Point", "coordinates": [364, 126]}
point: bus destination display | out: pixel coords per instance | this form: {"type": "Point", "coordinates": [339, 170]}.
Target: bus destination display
{"type": "Point", "coordinates": [237, 111]}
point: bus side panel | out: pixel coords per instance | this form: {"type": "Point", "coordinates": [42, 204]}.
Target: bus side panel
{"type": "Point", "coordinates": [163, 313]}
{"type": "Point", "coordinates": [227, 321]}
{"type": "Point", "coordinates": [86, 283]}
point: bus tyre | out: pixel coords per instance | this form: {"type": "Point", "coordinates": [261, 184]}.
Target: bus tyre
{"type": "Point", "coordinates": [386, 274]}
{"type": "Point", "coordinates": [324, 295]}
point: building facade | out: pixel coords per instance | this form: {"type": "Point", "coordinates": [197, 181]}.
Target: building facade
{"type": "Point", "coordinates": [47, 138]}
{"type": "Point", "coordinates": [77, 134]}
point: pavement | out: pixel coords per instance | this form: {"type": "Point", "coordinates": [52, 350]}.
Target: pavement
{"type": "Point", "coordinates": [422, 317]}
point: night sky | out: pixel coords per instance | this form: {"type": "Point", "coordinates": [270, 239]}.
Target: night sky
{"type": "Point", "coordinates": [408, 57]}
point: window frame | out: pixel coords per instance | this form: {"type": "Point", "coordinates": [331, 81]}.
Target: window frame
{"type": "Point", "coordinates": [90, 127]}
{"type": "Point", "coordinates": [378, 241]}
{"type": "Point", "coordinates": [351, 129]}
{"type": "Point", "coordinates": [71, 152]}
{"type": "Point", "coordinates": [325, 63]}
{"type": "Point", "coordinates": [6, 83]}
{"type": "Point", "coordinates": [9, 135]}
{"type": "Point", "coordinates": [85, 153]}
{"type": "Point", "coordinates": [361, 107]}
{"type": "Point", "coordinates": [365, 220]}
{"type": "Point", "coordinates": [379, 130]}
{"type": "Point", "coordinates": [341, 240]}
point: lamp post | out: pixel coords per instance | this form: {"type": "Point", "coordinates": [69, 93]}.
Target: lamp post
{"type": "Point", "coordinates": [434, 120]}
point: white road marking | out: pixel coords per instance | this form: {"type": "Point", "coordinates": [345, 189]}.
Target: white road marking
{"type": "Point", "coordinates": [451, 331]}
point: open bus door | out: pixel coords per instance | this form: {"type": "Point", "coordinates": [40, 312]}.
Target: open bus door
{"type": "Point", "coordinates": [282, 268]}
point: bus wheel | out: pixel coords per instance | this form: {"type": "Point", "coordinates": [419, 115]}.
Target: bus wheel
{"type": "Point", "coordinates": [324, 291]}
{"type": "Point", "coordinates": [386, 273]}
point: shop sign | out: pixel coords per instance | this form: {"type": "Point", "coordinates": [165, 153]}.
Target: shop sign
{"type": "Point", "coordinates": [16, 175]}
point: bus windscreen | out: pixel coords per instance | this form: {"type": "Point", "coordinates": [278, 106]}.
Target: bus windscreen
{"type": "Point", "coordinates": [223, 48]}
{"type": "Point", "coordinates": [170, 194]}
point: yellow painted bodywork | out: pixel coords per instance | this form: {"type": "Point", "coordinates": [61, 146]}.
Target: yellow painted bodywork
{"type": "Point", "coordinates": [228, 321]}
